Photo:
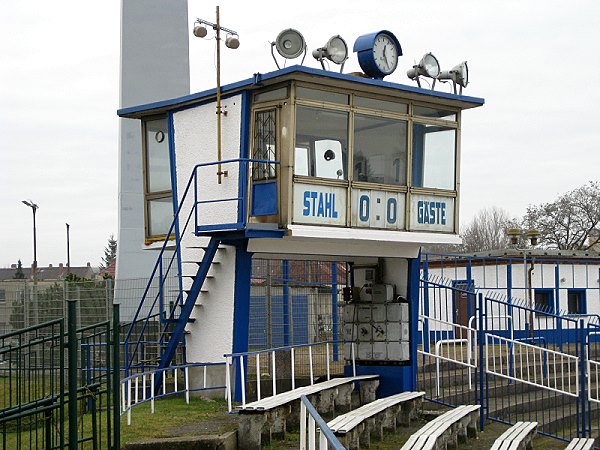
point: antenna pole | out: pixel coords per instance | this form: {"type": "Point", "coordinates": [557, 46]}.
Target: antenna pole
{"type": "Point", "coordinates": [219, 111]}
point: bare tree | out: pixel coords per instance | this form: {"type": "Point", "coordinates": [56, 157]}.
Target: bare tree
{"type": "Point", "coordinates": [487, 230]}
{"type": "Point", "coordinates": [571, 222]}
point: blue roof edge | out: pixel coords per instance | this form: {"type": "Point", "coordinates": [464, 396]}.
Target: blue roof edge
{"type": "Point", "coordinates": [258, 77]}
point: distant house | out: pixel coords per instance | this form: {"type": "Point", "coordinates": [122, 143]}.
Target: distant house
{"type": "Point", "coordinates": [50, 273]}
{"type": "Point", "coordinates": [13, 291]}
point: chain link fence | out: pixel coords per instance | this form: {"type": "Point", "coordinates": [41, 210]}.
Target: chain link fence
{"type": "Point", "coordinates": [24, 303]}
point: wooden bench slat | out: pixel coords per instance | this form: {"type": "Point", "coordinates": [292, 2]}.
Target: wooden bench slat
{"type": "Point", "coordinates": [426, 437]}
{"type": "Point", "coordinates": [286, 397]}
{"type": "Point", "coordinates": [348, 421]}
{"type": "Point", "coordinates": [514, 436]}
{"type": "Point", "coordinates": [580, 444]}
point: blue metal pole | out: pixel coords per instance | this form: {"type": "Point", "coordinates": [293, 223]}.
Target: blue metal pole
{"type": "Point", "coordinates": [480, 365]}
{"type": "Point", "coordinates": [285, 271]}
{"type": "Point", "coordinates": [334, 308]}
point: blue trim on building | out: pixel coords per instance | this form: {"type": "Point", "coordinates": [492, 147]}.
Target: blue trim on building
{"type": "Point", "coordinates": [241, 306]}
{"type": "Point", "coordinates": [258, 78]}
{"type": "Point", "coordinates": [243, 186]}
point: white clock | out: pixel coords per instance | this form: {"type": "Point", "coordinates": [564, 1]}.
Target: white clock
{"type": "Point", "coordinates": [378, 53]}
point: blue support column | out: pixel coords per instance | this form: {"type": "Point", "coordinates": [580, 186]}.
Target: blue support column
{"type": "Point", "coordinates": [241, 311]}
{"type": "Point", "coordinates": [425, 306]}
{"type": "Point", "coordinates": [334, 308]}
{"type": "Point", "coordinates": [285, 271]}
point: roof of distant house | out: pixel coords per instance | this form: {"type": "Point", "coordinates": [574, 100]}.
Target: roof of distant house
{"type": "Point", "coordinates": [50, 272]}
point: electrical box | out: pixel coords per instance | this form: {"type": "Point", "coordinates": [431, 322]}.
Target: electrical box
{"type": "Point", "coordinates": [382, 293]}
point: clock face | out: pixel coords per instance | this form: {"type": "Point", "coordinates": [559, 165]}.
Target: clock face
{"type": "Point", "coordinates": [385, 53]}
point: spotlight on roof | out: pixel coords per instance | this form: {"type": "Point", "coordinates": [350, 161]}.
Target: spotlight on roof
{"type": "Point", "coordinates": [290, 44]}
{"type": "Point", "coordinates": [428, 67]}
{"type": "Point", "coordinates": [336, 51]}
{"type": "Point", "coordinates": [459, 75]}
{"type": "Point", "coordinates": [232, 41]}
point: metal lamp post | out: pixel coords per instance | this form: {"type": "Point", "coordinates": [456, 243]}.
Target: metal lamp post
{"type": "Point", "coordinates": [34, 208]}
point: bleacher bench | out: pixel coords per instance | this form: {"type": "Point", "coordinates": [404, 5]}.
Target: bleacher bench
{"type": "Point", "coordinates": [354, 428]}
{"type": "Point", "coordinates": [517, 437]}
{"type": "Point", "coordinates": [450, 427]}
{"type": "Point", "coordinates": [581, 444]}
{"type": "Point", "coordinates": [270, 416]}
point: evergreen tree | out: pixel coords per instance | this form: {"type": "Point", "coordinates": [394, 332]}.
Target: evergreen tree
{"type": "Point", "coordinates": [19, 275]}
{"type": "Point", "coordinates": [110, 253]}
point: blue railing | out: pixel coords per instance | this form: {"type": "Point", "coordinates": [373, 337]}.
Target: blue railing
{"type": "Point", "coordinates": [162, 269]}
{"type": "Point", "coordinates": [310, 420]}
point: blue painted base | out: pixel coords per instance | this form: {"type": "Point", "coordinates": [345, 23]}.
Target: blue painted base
{"type": "Point", "coordinates": [392, 379]}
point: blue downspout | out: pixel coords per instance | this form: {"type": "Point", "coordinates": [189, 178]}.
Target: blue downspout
{"type": "Point", "coordinates": [241, 305]}
{"type": "Point", "coordinates": [559, 336]}
{"type": "Point", "coordinates": [244, 152]}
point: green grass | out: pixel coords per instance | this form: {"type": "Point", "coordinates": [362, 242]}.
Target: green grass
{"type": "Point", "coordinates": [173, 417]}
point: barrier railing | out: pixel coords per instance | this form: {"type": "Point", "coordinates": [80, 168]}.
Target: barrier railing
{"type": "Point", "coordinates": [137, 389]}
{"type": "Point", "coordinates": [311, 425]}
{"type": "Point", "coordinates": [270, 355]}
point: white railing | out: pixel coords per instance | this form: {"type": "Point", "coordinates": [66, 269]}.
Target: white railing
{"type": "Point", "coordinates": [456, 352]}
{"type": "Point", "coordinates": [240, 360]}
{"type": "Point", "coordinates": [139, 388]}
{"type": "Point", "coordinates": [532, 365]}
{"type": "Point", "coordinates": [313, 425]}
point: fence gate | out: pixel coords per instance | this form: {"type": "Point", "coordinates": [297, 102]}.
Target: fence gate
{"type": "Point", "coordinates": [518, 363]}
{"type": "Point", "coordinates": [59, 385]}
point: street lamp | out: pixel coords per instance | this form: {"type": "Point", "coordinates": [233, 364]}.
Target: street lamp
{"type": "Point", "coordinates": [34, 208]}
{"type": "Point", "coordinates": [68, 251]}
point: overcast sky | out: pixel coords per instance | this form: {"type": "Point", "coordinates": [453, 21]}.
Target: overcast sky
{"type": "Point", "coordinates": [535, 63]}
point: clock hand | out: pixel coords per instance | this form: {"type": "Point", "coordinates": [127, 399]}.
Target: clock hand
{"type": "Point", "coordinates": [387, 63]}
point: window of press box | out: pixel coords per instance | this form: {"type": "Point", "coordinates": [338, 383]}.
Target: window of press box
{"type": "Point", "coordinates": [159, 215]}
{"type": "Point", "coordinates": [433, 156]}
{"type": "Point", "coordinates": [382, 105]}
{"type": "Point", "coordinates": [321, 143]}
{"type": "Point", "coordinates": [433, 113]}
{"type": "Point", "coordinates": [264, 145]}
{"type": "Point", "coordinates": [323, 96]}
{"type": "Point", "coordinates": [380, 150]}
{"type": "Point", "coordinates": [158, 170]}
{"type": "Point", "coordinates": [275, 94]}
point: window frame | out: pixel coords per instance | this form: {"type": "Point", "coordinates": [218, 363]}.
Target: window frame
{"type": "Point", "coordinates": [549, 293]}
{"type": "Point", "coordinates": [150, 196]}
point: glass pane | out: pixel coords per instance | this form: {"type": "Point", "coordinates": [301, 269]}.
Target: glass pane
{"type": "Point", "coordinates": [264, 145]}
{"type": "Point", "coordinates": [433, 113]}
{"type": "Point", "coordinates": [160, 216]}
{"type": "Point", "coordinates": [380, 150]}
{"type": "Point", "coordinates": [381, 105]}
{"type": "Point", "coordinates": [434, 156]}
{"type": "Point", "coordinates": [275, 94]}
{"type": "Point", "coordinates": [323, 96]}
{"type": "Point", "coordinates": [158, 171]}
{"type": "Point", "coordinates": [321, 143]}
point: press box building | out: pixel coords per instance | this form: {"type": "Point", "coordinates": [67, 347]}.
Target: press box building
{"type": "Point", "coordinates": [313, 165]}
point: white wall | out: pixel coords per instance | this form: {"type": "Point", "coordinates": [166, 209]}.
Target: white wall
{"type": "Point", "coordinates": [196, 142]}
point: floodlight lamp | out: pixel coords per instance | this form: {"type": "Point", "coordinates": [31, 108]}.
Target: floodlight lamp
{"type": "Point", "coordinates": [200, 30]}
{"type": "Point", "coordinates": [289, 44]}
{"type": "Point", "coordinates": [336, 51]}
{"type": "Point", "coordinates": [427, 67]}
{"type": "Point", "coordinates": [232, 41]}
{"type": "Point", "coordinates": [459, 75]}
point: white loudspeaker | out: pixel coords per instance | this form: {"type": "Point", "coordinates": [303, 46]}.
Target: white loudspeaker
{"type": "Point", "coordinates": [290, 43]}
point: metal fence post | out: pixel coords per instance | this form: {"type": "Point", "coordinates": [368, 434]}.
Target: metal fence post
{"type": "Point", "coordinates": [72, 371]}
{"type": "Point", "coordinates": [582, 363]}
{"type": "Point", "coordinates": [480, 365]}
{"type": "Point", "coordinates": [116, 327]}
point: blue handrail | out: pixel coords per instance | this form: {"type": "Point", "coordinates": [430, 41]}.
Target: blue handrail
{"type": "Point", "coordinates": [159, 267]}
